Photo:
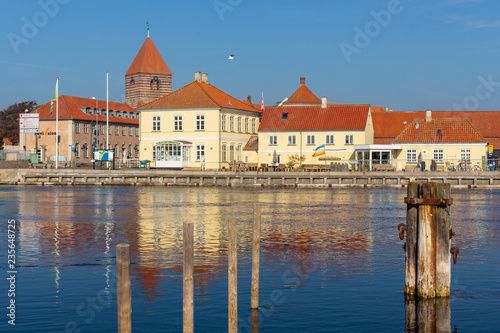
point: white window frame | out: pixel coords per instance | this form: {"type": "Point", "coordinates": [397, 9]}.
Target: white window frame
{"type": "Point", "coordinates": [465, 154]}
{"type": "Point", "coordinates": [77, 127]}
{"type": "Point", "coordinates": [200, 122]}
{"type": "Point", "coordinates": [246, 125]}
{"type": "Point", "coordinates": [224, 123]}
{"type": "Point", "coordinates": [438, 155]}
{"type": "Point", "coordinates": [231, 153]}
{"type": "Point", "coordinates": [240, 151]}
{"type": "Point", "coordinates": [224, 153]}
{"type": "Point", "coordinates": [117, 129]}
{"type": "Point", "coordinates": [253, 125]}
{"type": "Point", "coordinates": [178, 123]}
{"type": "Point", "coordinates": [311, 140]}
{"type": "Point", "coordinates": [86, 128]}
{"type": "Point", "coordinates": [411, 156]}
{"type": "Point", "coordinates": [330, 139]}
{"type": "Point", "coordinates": [231, 124]}
{"type": "Point", "coordinates": [239, 124]}
{"type": "Point", "coordinates": [349, 139]}
{"type": "Point", "coordinates": [156, 124]}
{"type": "Point", "coordinates": [200, 153]}
{"type": "Point", "coordinates": [292, 140]}
{"type": "Point", "coordinates": [273, 140]}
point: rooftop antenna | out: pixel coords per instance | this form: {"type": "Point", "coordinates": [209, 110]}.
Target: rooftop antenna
{"type": "Point", "coordinates": [148, 27]}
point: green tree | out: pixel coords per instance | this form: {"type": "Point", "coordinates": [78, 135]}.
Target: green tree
{"type": "Point", "coordinates": [9, 120]}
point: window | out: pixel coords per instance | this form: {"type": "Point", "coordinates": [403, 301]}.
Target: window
{"type": "Point", "coordinates": [77, 150]}
{"type": "Point", "coordinates": [224, 153]}
{"type": "Point", "coordinates": [239, 153]}
{"type": "Point", "coordinates": [224, 122]}
{"type": "Point", "coordinates": [200, 122]}
{"type": "Point", "coordinates": [246, 125]}
{"type": "Point", "coordinates": [239, 124]}
{"type": "Point", "coordinates": [136, 151]}
{"type": "Point", "coordinates": [129, 155]}
{"type": "Point", "coordinates": [85, 149]}
{"type": "Point", "coordinates": [101, 129]}
{"type": "Point", "coordinates": [231, 153]}
{"type": "Point", "coordinates": [156, 123]}
{"type": "Point", "coordinates": [117, 129]}
{"type": "Point", "coordinates": [77, 128]}
{"type": "Point", "coordinates": [231, 124]}
{"type": "Point", "coordinates": [177, 123]}
{"type": "Point", "coordinates": [273, 140]}
{"type": "Point", "coordinates": [200, 153]}
{"type": "Point", "coordinates": [117, 153]}
{"type": "Point", "coordinates": [86, 128]}
{"type": "Point", "coordinates": [284, 116]}
{"type": "Point", "coordinates": [130, 129]}
{"type": "Point", "coordinates": [330, 140]}
{"type": "Point", "coordinates": [311, 140]}
{"type": "Point", "coordinates": [137, 131]}
{"type": "Point", "coordinates": [438, 155]}
{"type": "Point", "coordinates": [124, 131]}
{"type": "Point", "coordinates": [109, 129]}
{"type": "Point", "coordinates": [253, 125]}
{"type": "Point", "coordinates": [292, 140]}
{"type": "Point", "coordinates": [349, 139]}
{"type": "Point", "coordinates": [411, 156]}
{"type": "Point", "coordinates": [465, 154]}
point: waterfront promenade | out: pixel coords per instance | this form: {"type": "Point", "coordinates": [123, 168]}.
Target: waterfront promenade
{"type": "Point", "coordinates": [141, 177]}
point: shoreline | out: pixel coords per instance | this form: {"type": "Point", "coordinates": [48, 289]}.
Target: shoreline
{"type": "Point", "coordinates": [140, 177]}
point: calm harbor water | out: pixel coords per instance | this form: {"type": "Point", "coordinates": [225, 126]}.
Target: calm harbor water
{"type": "Point", "coordinates": [331, 259]}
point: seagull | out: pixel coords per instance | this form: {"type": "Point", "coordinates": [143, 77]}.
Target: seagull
{"type": "Point", "coordinates": [231, 57]}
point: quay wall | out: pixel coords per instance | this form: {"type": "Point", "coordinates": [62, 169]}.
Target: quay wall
{"type": "Point", "coordinates": [135, 177]}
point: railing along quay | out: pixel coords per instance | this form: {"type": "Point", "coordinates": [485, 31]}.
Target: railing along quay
{"type": "Point", "coordinates": [248, 179]}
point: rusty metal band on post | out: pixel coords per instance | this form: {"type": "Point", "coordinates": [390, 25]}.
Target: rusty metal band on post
{"type": "Point", "coordinates": [429, 201]}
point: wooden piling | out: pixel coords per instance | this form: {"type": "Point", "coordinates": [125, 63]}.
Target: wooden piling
{"type": "Point", "coordinates": [428, 258]}
{"type": "Point", "coordinates": [232, 280]}
{"type": "Point", "coordinates": [411, 241]}
{"type": "Point", "coordinates": [255, 320]}
{"type": "Point", "coordinates": [124, 297]}
{"type": "Point", "coordinates": [255, 257]}
{"type": "Point", "coordinates": [188, 285]}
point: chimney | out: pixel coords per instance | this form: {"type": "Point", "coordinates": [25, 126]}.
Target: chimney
{"type": "Point", "coordinates": [302, 80]}
{"type": "Point", "coordinates": [204, 77]}
{"type": "Point", "coordinates": [386, 109]}
{"type": "Point", "coordinates": [428, 115]}
{"type": "Point", "coordinates": [197, 76]}
{"type": "Point", "coordinates": [249, 99]}
{"type": "Point", "coordinates": [324, 102]}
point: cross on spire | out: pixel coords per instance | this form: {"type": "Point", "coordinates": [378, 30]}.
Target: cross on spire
{"type": "Point", "coordinates": [148, 27]}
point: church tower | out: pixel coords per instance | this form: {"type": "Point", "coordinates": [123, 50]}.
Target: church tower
{"type": "Point", "coordinates": [148, 78]}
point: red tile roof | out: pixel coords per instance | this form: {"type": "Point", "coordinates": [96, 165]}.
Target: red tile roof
{"type": "Point", "coordinates": [388, 125]}
{"type": "Point", "coordinates": [148, 60]}
{"type": "Point", "coordinates": [310, 118]}
{"type": "Point", "coordinates": [303, 96]}
{"type": "Point", "coordinates": [7, 142]}
{"type": "Point", "coordinates": [252, 144]}
{"type": "Point", "coordinates": [439, 131]}
{"type": "Point", "coordinates": [198, 95]}
{"type": "Point", "coordinates": [71, 108]}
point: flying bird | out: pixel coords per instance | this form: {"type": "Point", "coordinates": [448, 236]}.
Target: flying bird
{"type": "Point", "coordinates": [231, 57]}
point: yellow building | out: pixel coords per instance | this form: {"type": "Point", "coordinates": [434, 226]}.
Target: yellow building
{"type": "Point", "coordinates": [197, 126]}
{"type": "Point", "coordinates": [304, 122]}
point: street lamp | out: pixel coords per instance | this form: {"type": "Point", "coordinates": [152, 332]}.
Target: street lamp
{"type": "Point", "coordinates": [25, 111]}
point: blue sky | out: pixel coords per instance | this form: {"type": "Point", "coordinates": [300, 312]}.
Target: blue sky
{"type": "Point", "coordinates": [406, 54]}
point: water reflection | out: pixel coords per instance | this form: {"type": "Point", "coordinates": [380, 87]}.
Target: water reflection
{"type": "Point", "coordinates": [428, 315]}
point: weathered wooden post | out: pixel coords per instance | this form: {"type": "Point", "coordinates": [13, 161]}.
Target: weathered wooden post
{"type": "Point", "coordinates": [255, 257]}
{"type": "Point", "coordinates": [188, 285]}
{"type": "Point", "coordinates": [232, 279]}
{"type": "Point", "coordinates": [428, 234]}
{"type": "Point", "coordinates": [124, 298]}
{"type": "Point", "coordinates": [428, 315]}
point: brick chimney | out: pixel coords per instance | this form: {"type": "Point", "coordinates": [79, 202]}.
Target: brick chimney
{"type": "Point", "coordinates": [204, 77]}
{"type": "Point", "coordinates": [302, 80]}
{"type": "Point", "coordinates": [249, 99]}
{"type": "Point", "coordinates": [428, 115]}
{"type": "Point", "coordinates": [324, 102]}
{"type": "Point", "coordinates": [197, 76]}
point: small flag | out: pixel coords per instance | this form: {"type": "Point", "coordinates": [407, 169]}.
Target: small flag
{"type": "Point", "coordinates": [262, 103]}
{"type": "Point", "coordinates": [319, 151]}
{"type": "Point", "coordinates": [54, 97]}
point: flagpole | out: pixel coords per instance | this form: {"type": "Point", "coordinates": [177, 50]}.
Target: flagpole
{"type": "Point", "coordinates": [57, 121]}
{"type": "Point", "coordinates": [107, 111]}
